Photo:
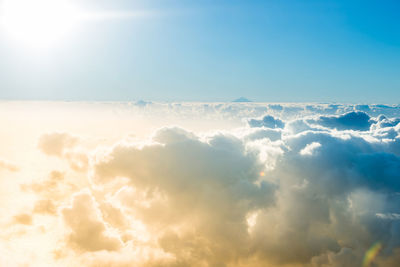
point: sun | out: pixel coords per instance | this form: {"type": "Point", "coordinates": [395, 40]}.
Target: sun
{"type": "Point", "coordinates": [38, 23]}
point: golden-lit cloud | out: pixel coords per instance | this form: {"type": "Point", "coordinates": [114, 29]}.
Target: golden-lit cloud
{"type": "Point", "coordinates": [55, 144]}
{"type": "Point", "coordinates": [313, 190]}
{"type": "Point", "coordinates": [64, 145]}
{"type": "Point", "coordinates": [23, 218]}
{"type": "Point", "coordinates": [88, 231]}
{"type": "Point", "coordinates": [5, 165]}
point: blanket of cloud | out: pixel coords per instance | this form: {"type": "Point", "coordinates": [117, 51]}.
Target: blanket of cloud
{"type": "Point", "coordinates": [199, 184]}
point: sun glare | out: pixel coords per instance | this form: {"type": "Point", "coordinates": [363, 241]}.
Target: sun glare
{"type": "Point", "coordinates": [38, 23]}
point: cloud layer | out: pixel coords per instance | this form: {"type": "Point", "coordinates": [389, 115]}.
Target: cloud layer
{"type": "Point", "coordinates": [294, 185]}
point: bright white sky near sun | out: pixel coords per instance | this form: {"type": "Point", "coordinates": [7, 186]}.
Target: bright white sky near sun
{"type": "Point", "coordinates": [200, 51]}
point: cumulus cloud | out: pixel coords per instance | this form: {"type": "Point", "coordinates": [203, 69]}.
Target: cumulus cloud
{"type": "Point", "coordinates": [23, 218]}
{"type": "Point", "coordinates": [65, 146]}
{"type": "Point", "coordinates": [383, 122]}
{"type": "Point", "coordinates": [267, 121]}
{"type": "Point", "coordinates": [322, 184]}
{"type": "Point", "coordinates": [49, 184]}
{"type": "Point", "coordinates": [198, 191]}
{"type": "Point", "coordinates": [6, 165]}
{"type": "Point", "coordinates": [88, 231]}
{"type": "Point", "coordinates": [309, 149]}
{"type": "Point", "coordinates": [54, 144]}
{"type": "Point", "coordinates": [51, 191]}
{"type": "Point", "coordinates": [349, 121]}
{"type": "Point", "coordinates": [45, 206]}
{"type": "Point", "coordinates": [313, 185]}
{"type": "Point", "coordinates": [328, 200]}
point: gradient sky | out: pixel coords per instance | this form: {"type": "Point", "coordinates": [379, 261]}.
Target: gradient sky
{"type": "Point", "coordinates": [275, 51]}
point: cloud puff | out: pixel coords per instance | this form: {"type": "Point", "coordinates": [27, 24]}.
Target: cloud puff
{"type": "Point", "coordinates": [88, 231]}
{"type": "Point", "coordinates": [64, 145]}
{"type": "Point", "coordinates": [198, 191]}
{"type": "Point", "coordinates": [55, 144]}
{"type": "Point", "coordinates": [45, 206]}
{"type": "Point", "coordinates": [349, 121]}
{"type": "Point", "coordinates": [309, 149]}
{"type": "Point", "coordinates": [23, 218]}
{"type": "Point", "coordinates": [383, 121]}
{"type": "Point", "coordinates": [328, 200]}
{"type": "Point", "coordinates": [267, 121]}
{"type": "Point", "coordinates": [6, 165]}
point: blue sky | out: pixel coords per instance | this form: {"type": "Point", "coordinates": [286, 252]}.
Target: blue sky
{"type": "Point", "coordinates": [276, 51]}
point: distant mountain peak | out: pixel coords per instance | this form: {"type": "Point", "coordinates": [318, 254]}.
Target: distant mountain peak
{"type": "Point", "coordinates": [242, 100]}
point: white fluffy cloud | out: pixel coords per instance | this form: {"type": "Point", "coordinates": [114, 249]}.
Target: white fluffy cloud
{"type": "Point", "coordinates": [306, 185]}
{"type": "Point", "coordinates": [350, 121]}
{"type": "Point", "coordinates": [324, 199]}
{"type": "Point", "coordinates": [198, 191]}
{"type": "Point", "coordinates": [267, 121]}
